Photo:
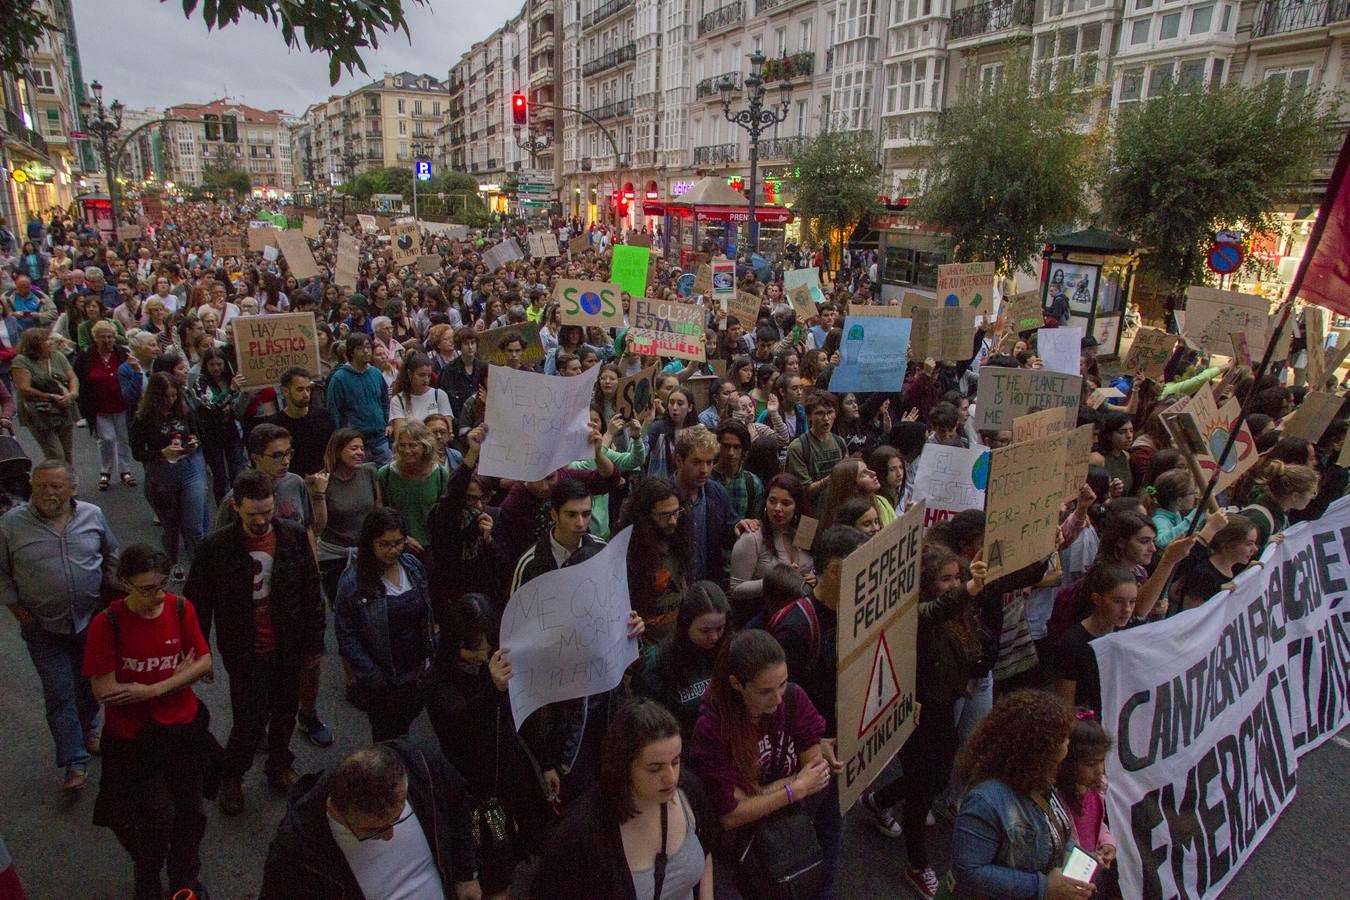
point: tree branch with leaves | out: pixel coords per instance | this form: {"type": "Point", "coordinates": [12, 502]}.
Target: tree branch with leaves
{"type": "Point", "coordinates": [837, 177]}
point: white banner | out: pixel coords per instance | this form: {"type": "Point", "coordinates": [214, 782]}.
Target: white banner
{"type": "Point", "coordinates": [950, 480]}
{"type": "Point", "coordinates": [567, 631]}
{"type": "Point", "coordinates": [536, 423]}
{"type": "Point", "coordinates": [1211, 709]}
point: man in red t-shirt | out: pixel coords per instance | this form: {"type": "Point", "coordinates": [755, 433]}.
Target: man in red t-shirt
{"type": "Point", "coordinates": [141, 656]}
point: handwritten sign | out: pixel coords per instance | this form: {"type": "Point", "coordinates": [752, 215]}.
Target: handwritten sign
{"type": "Point", "coordinates": [505, 252]}
{"type": "Point", "coordinates": [1102, 395]}
{"type": "Point", "coordinates": [810, 278]}
{"type": "Point", "coordinates": [1039, 424]}
{"type": "Point", "coordinates": [429, 264]}
{"type": "Point", "coordinates": [872, 354]}
{"type": "Point", "coordinates": [799, 298]}
{"type": "Point", "coordinates": [536, 423]}
{"type": "Point", "coordinates": [1312, 417]}
{"type": "Point", "coordinates": [310, 228]}
{"type": "Point", "coordinates": [589, 303]}
{"type": "Point", "coordinates": [661, 328]}
{"type": "Point", "coordinates": [266, 346]}
{"type": "Point", "coordinates": [543, 244]}
{"type": "Point", "coordinates": [1200, 430]}
{"type": "Point", "coordinates": [633, 395]}
{"type": "Point", "coordinates": [1149, 353]}
{"type": "Point", "coordinates": [1212, 315]}
{"type": "Point", "coordinates": [942, 333]}
{"type": "Point", "coordinates": [723, 278]}
{"type": "Point", "coordinates": [299, 257]}
{"type": "Point", "coordinates": [368, 223]}
{"type": "Point", "coordinates": [1023, 312]}
{"type": "Point", "coordinates": [1005, 394]}
{"type": "Point", "coordinates": [229, 245]}
{"type": "Point", "coordinates": [1026, 490]}
{"type": "Point", "coordinates": [348, 260]}
{"type": "Point", "coordinates": [628, 269]}
{"type": "Point", "coordinates": [405, 242]}
{"type": "Point", "coordinates": [567, 630]}
{"type": "Point", "coordinates": [967, 284]}
{"type": "Point", "coordinates": [489, 344]}
{"type": "Point", "coordinates": [578, 245]}
{"type": "Point", "coordinates": [1060, 348]}
{"type": "Point", "coordinates": [1076, 460]}
{"type": "Point", "coordinates": [950, 480]}
{"type": "Point", "coordinates": [745, 307]}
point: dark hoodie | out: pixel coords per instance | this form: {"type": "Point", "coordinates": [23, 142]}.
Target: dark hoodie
{"type": "Point", "coordinates": [305, 861]}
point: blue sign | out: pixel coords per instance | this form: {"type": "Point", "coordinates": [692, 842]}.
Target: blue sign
{"type": "Point", "coordinates": [872, 355]}
{"type": "Point", "coordinates": [422, 169]}
{"type": "Point", "coordinates": [1225, 258]}
{"type": "Point", "coordinates": [684, 285]}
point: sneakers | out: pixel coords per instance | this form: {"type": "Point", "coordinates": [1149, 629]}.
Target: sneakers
{"type": "Point", "coordinates": [319, 734]}
{"type": "Point", "coordinates": [923, 881]}
{"type": "Point", "coordinates": [281, 781]}
{"type": "Point", "coordinates": [75, 779]}
{"type": "Point", "coordinates": [231, 795]}
{"type": "Point", "coordinates": [881, 818]}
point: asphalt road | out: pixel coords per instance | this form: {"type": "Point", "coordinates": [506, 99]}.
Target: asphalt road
{"type": "Point", "coordinates": [61, 855]}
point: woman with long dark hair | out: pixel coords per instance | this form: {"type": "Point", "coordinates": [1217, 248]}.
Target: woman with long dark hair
{"type": "Point", "coordinates": [679, 413]}
{"type": "Point", "coordinates": [679, 668]}
{"type": "Point", "coordinates": [214, 394]}
{"type": "Point", "coordinates": [384, 624]}
{"type": "Point", "coordinates": [891, 470]}
{"type": "Point", "coordinates": [755, 552]}
{"type": "Point", "coordinates": [165, 439]}
{"type": "Point", "coordinates": [661, 553]}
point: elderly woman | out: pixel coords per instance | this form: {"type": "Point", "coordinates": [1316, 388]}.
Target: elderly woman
{"type": "Point", "coordinates": [157, 315]}
{"type": "Point", "coordinates": [135, 369]}
{"type": "Point", "coordinates": [48, 389]}
{"type": "Point", "coordinates": [101, 402]}
{"type": "Point", "coordinates": [383, 327]}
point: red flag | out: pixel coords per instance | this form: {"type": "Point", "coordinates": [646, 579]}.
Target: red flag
{"type": "Point", "coordinates": [1324, 275]}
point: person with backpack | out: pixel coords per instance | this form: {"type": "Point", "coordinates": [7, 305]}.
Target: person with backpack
{"type": "Point", "coordinates": [813, 455]}
{"type": "Point", "coordinates": [142, 656]}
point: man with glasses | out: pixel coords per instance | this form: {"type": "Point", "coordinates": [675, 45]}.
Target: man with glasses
{"type": "Point", "coordinates": [743, 487]}
{"type": "Point", "coordinates": [257, 580]}
{"type": "Point", "coordinates": [389, 820]}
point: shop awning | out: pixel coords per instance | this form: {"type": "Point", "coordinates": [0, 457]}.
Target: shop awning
{"type": "Point", "coordinates": [1092, 239]}
{"type": "Point", "coordinates": [765, 215]}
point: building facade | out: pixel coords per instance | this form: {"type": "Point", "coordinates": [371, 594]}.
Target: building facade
{"type": "Point", "coordinates": [232, 136]}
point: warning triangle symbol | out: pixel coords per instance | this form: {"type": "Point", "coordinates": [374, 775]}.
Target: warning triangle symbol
{"type": "Point", "coordinates": [883, 688]}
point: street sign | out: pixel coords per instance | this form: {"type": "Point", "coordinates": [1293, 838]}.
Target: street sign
{"type": "Point", "coordinates": [422, 169]}
{"type": "Point", "coordinates": [1225, 258]}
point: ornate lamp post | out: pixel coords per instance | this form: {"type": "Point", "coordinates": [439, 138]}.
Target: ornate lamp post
{"type": "Point", "coordinates": [105, 128]}
{"type": "Point", "coordinates": [533, 144]}
{"type": "Point", "coordinates": [755, 118]}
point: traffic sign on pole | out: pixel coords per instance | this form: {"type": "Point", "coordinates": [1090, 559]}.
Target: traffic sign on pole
{"type": "Point", "coordinates": [422, 170]}
{"type": "Point", "coordinates": [1225, 258]}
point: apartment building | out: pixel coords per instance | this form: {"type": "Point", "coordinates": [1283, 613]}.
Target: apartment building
{"type": "Point", "coordinates": [223, 132]}
{"type": "Point", "coordinates": [143, 158]}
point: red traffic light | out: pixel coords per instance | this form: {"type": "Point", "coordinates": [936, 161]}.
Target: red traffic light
{"type": "Point", "coordinates": [518, 110]}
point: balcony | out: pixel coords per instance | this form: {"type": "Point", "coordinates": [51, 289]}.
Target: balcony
{"type": "Point", "coordinates": [764, 6]}
{"type": "Point", "coordinates": [1285, 16]}
{"type": "Point", "coordinates": [721, 17]}
{"type": "Point", "coordinates": [374, 133]}
{"type": "Point", "coordinates": [615, 57]}
{"type": "Point", "coordinates": [712, 85]}
{"type": "Point", "coordinates": [715, 155]}
{"type": "Point", "coordinates": [14, 125]}
{"type": "Point", "coordinates": [603, 12]}
{"type": "Point", "coordinates": [473, 167]}
{"type": "Point", "coordinates": [491, 164]}
{"type": "Point", "coordinates": [613, 110]}
{"type": "Point", "coordinates": [780, 148]}
{"type": "Point", "coordinates": [789, 66]}
{"type": "Point", "coordinates": [375, 155]}
{"type": "Point", "coordinates": [987, 18]}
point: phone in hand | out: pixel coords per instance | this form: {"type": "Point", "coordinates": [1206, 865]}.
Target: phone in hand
{"type": "Point", "coordinates": [1080, 866]}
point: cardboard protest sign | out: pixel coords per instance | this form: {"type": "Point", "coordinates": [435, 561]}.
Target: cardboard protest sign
{"type": "Point", "coordinates": [503, 253]}
{"type": "Point", "coordinates": [261, 235]}
{"type": "Point", "coordinates": [799, 298]}
{"type": "Point", "coordinates": [1200, 430]}
{"type": "Point", "coordinates": [873, 354]}
{"type": "Point", "coordinates": [444, 229]}
{"type": "Point", "coordinates": [489, 344]}
{"type": "Point", "coordinates": [348, 261]}
{"type": "Point", "coordinates": [1315, 331]}
{"type": "Point", "coordinates": [1242, 351]}
{"type": "Point", "coordinates": [429, 264]}
{"type": "Point", "coordinates": [1060, 348]}
{"type": "Point", "coordinates": [228, 245]}
{"type": "Point", "coordinates": [589, 303]}
{"type": "Point", "coordinates": [912, 301]}
{"type": "Point", "coordinates": [810, 278]}
{"type": "Point", "coordinates": [129, 232]}
{"type": "Point", "coordinates": [942, 333]}
{"type": "Point", "coordinates": [543, 244]}
{"type": "Point", "coordinates": [578, 245]}
{"type": "Point", "coordinates": [367, 223]}
{"type": "Point", "coordinates": [639, 240]}
{"type": "Point", "coordinates": [667, 329]}
{"type": "Point", "coordinates": [1023, 311]}
{"type": "Point", "coordinates": [634, 394]}
{"type": "Point", "coordinates": [628, 269]}
{"type": "Point", "coordinates": [536, 423]}
{"type": "Point", "coordinates": [299, 257]}
{"type": "Point", "coordinates": [950, 480]}
{"type": "Point", "coordinates": [1212, 315]}
{"type": "Point", "coordinates": [1076, 460]}
{"type": "Point", "coordinates": [1005, 394]}
{"type": "Point", "coordinates": [703, 279]}
{"type": "Point", "coordinates": [805, 535]}
{"type": "Point", "coordinates": [1026, 490]}
{"type": "Point", "coordinates": [1039, 424]}
{"type": "Point", "coordinates": [405, 242]}
{"type": "Point", "coordinates": [723, 278]}
{"type": "Point", "coordinates": [967, 284]}
{"type": "Point", "coordinates": [311, 228]}
{"type": "Point", "coordinates": [877, 652]}
{"type": "Point", "coordinates": [567, 630]}
{"type": "Point", "coordinates": [1149, 353]}
{"type": "Point", "coordinates": [1103, 394]}
{"type": "Point", "coordinates": [745, 307]}
{"type": "Point", "coordinates": [1312, 417]}
{"type": "Point", "coordinates": [266, 346]}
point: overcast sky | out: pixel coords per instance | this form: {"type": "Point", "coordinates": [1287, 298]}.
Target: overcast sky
{"type": "Point", "coordinates": [145, 53]}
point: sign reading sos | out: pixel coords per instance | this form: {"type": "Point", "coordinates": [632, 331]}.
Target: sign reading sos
{"type": "Point", "coordinates": [588, 303]}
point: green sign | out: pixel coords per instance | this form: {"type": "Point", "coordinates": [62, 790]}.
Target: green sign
{"type": "Point", "coordinates": [629, 269]}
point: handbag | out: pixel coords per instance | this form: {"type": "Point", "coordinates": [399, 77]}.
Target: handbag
{"type": "Point", "coordinates": [783, 860]}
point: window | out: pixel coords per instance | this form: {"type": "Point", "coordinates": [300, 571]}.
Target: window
{"type": "Point", "coordinates": [801, 117]}
{"type": "Point", "coordinates": [1139, 31]}
{"type": "Point", "coordinates": [1131, 86]}
{"type": "Point", "coordinates": [804, 35]}
{"type": "Point", "coordinates": [1216, 73]}
{"type": "Point", "coordinates": [1191, 74]}
{"type": "Point", "coordinates": [1159, 77]}
{"type": "Point", "coordinates": [1295, 81]}
{"type": "Point", "coordinates": [991, 76]}
{"type": "Point", "coordinates": [1227, 14]}
{"type": "Point", "coordinates": [1201, 19]}
{"type": "Point", "coordinates": [1142, 4]}
{"type": "Point", "coordinates": [402, 106]}
{"type": "Point", "coordinates": [780, 42]}
{"type": "Point", "coordinates": [1171, 26]}
{"type": "Point", "coordinates": [417, 107]}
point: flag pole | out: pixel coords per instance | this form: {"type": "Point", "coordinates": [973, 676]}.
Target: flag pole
{"type": "Point", "coordinates": [1338, 176]}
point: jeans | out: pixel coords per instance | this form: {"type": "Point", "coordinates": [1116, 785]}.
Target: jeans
{"type": "Point", "coordinates": [377, 450]}
{"type": "Point", "coordinates": [224, 452]}
{"type": "Point", "coordinates": [172, 831]}
{"type": "Point", "coordinates": [56, 443]}
{"type": "Point", "coordinates": [970, 711]}
{"type": "Point", "coordinates": [114, 453]}
{"type": "Point", "coordinates": [264, 696]}
{"type": "Point", "coordinates": [177, 494]}
{"type": "Point", "coordinates": [829, 825]}
{"type": "Point", "coordinates": [73, 715]}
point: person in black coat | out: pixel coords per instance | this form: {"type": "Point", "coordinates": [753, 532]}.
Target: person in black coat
{"type": "Point", "coordinates": [461, 377]}
{"type": "Point", "coordinates": [339, 824]}
{"type": "Point", "coordinates": [257, 581]}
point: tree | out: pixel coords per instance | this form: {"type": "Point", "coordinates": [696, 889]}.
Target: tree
{"type": "Point", "coordinates": [338, 28]}
{"type": "Point", "coordinates": [224, 172]}
{"type": "Point", "coordinates": [1184, 164]}
{"type": "Point", "coordinates": [837, 177]}
{"type": "Point", "coordinates": [1009, 166]}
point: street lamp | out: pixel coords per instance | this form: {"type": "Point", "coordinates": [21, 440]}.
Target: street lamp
{"type": "Point", "coordinates": [105, 128]}
{"type": "Point", "coordinates": [534, 144]}
{"type": "Point", "coordinates": [756, 119]}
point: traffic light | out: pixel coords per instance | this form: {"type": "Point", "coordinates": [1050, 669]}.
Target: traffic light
{"type": "Point", "coordinates": [518, 108]}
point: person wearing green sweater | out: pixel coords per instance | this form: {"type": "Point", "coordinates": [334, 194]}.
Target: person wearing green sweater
{"type": "Point", "coordinates": [624, 461]}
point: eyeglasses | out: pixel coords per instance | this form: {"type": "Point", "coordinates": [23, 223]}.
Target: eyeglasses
{"type": "Point", "coordinates": [148, 589]}
{"type": "Point", "coordinates": [378, 833]}
{"type": "Point", "coordinates": [668, 516]}
{"type": "Point", "coordinates": [279, 455]}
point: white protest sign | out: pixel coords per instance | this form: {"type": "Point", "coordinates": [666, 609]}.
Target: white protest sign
{"type": "Point", "coordinates": [567, 630]}
{"type": "Point", "coordinates": [950, 480]}
{"type": "Point", "coordinates": [505, 252]}
{"type": "Point", "coordinates": [536, 423]}
{"type": "Point", "coordinates": [1005, 394]}
{"type": "Point", "coordinates": [1211, 709]}
{"type": "Point", "coordinates": [368, 222]}
{"type": "Point", "coordinates": [442, 229]}
{"type": "Point", "coordinates": [1060, 348]}
{"type": "Point", "coordinates": [542, 244]}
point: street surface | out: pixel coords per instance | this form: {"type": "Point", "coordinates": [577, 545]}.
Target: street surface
{"type": "Point", "coordinates": [61, 855]}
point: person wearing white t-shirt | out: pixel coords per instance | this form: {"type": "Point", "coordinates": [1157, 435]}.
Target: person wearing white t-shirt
{"type": "Point", "coordinates": [164, 294]}
{"type": "Point", "coordinates": [412, 396]}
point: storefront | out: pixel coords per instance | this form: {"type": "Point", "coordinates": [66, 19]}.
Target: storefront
{"type": "Point", "coordinates": [711, 218]}
{"type": "Point", "coordinates": [910, 252]}
{"type": "Point", "coordinates": [1094, 271]}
